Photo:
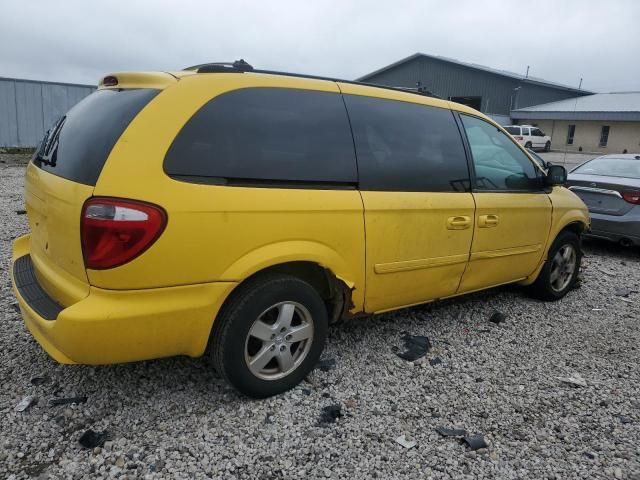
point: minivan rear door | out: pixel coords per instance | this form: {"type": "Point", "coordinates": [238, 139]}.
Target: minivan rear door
{"type": "Point", "coordinates": [414, 182]}
{"type": "Point", "coordinates": [62, 176]}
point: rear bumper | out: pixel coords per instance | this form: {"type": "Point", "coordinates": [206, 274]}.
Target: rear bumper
{"type": "Point", "coordinates": [616, 228]}
{"type": "Point", "coordinates": [116, 326]}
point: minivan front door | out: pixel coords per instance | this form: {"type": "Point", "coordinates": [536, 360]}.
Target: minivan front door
{"type": "Point", "coordinates": [418, 210]}
{"type": "Point", "coordinates": [513, 212]}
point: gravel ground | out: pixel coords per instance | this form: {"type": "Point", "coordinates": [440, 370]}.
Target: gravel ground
{"type": "Point", "coordinates": [175, 418]}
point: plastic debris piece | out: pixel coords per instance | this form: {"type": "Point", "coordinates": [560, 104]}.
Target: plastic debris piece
{"type": "Point", "coordinates": [91, 439]}
{"type": "Point", "coordinates": [435, 361]}
{"type": "Point", "coordinates": [622, 292]}
{"type": "Point", "coordinates": [67, 400]}
{"type": "Point", "coordinates": [25, 403]}
{"type": "Point", "coordinates": [39, 380]}
{"type": "Point", "coordinates": [330, 414]}
{"type": "Point", "coordinates": [20, 212]}
{"type": "Point", "coordinates": [406, 442]}
{"type": "Point", "coordinates": [451, 432]}
{"type": "Point", "coordinates": [326, 364]}
{"type": "Point", "coordinates": [497, 318]}
{"type": "Point", "coordinates": [624, 299]}
{"type": "Point", "coordinates": [475, 442]}
{"type": "Point", "coordinates": [416, 346]}
{"type": "Point", "coordinates": [575, 380]}
{"type": "Point", "coordinates": [624, 419]}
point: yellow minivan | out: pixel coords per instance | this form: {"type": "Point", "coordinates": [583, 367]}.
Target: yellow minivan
{"type": "Point", "coordinates": [236, 213]}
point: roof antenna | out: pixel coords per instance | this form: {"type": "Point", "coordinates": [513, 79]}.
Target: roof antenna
{"type": "Point", "coordinates": [527, 74]}
{"type": "Point", "coordinates": [242, 65]}
{"type": "Point", "coordinates": [579, 86]}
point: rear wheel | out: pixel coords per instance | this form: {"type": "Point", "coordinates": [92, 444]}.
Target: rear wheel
{"type": "Point", "coordinates": [269, 336]}
{"type": "Point", "coordinates": [560, 271]}
{"type": "Point", "coordinates": [547, 146]}
{"type": "Point", "coordinates": [528, 145]}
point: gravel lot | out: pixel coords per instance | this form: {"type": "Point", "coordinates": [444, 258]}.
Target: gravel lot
{"type": "Point", "coordinates": [176, 418]}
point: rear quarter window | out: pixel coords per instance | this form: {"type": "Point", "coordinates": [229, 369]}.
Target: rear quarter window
{"type": "Point", "coordinates": [404, 146]}
{"type": "Point", "coordinates": [260, 135]}
{"type": "Point", "coordinates": [78, 145]}
{"type": "Point", "coordinates": [513, 130]}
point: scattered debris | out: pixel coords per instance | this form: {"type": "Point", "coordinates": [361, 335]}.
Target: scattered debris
{"type": "Point", "coordinates": [67, 400]}
{"type": "Point", "coordinates": [435, 361]}
{"type": "Point", "coordinates": [16, 307]}
{"type": "Point", "coordinates": [607, 272]}
{"type": "Point", "coordinates": [330, 414]}
{"type": "Point", "coordinates": [20, 212]}
{"type": "Point", "coordinates": [406, 442]}
{"type": "Point", "coordinates": [622, 292]}
{"type": "Point", "coordinates": [624, 419]}
{"type": "Point", "coordinates": [627, 300]}
{"type": "Point", "coordinates": [475, 442]}
{"type": "Point", "coordinates": [590, 455]}
{"type": "Point", "coordinates": [306, 391]}
{"type": "Point", "coordinates": [575, 380]}
{"type": "Point", "coordinates": [25, 403]}
{"type": "Point", "coordinates": [39, 380]}
{"type": "Point", "coordinates": [91, 439]}
{"type": "Point", "coordinates": [596, 309]}
{"type": "Point", "coordinates": [416, 346]}
{"type": "Point", "coordinates": [326, 364]}
{"type": "Point", "coordinates": [497, 318]}
{"type": "Point", "coordinates": [451, 432]}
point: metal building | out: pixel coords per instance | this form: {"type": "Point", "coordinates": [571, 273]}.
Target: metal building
{"type": "Point", "coordinates": [600, 123]}
{"type": "Point", "coordinates": [494, 92]}
{"type": "Point", "coordinates": [28, 108]}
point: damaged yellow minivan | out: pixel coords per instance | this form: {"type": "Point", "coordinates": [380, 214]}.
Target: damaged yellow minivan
{"type": "Point", "coordinates": [236, 213]}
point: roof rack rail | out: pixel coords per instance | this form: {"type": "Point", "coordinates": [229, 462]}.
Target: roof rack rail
{"type": "Point", "coordinates": [241, 66]}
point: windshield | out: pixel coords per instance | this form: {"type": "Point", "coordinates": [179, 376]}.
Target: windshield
{"type": "Point", "coordinates": [611, 167]}
{"type": "Point", "coordinates": [513, 130]}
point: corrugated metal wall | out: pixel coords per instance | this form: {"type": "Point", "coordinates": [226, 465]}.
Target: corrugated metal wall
{"type": "Point", "coordinates": [447, 79]}
{"type": "Point", "coordinates": [28, 108]}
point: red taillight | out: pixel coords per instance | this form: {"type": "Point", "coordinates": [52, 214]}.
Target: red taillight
{"type": "Point", "coordinates": [632, 197]}
{"type": "Point", "coordinates": [518, 138]}
{"type": "Point", "coordinates": [116, 231]}
{"type": "Point", "coordinates": [110, 81]}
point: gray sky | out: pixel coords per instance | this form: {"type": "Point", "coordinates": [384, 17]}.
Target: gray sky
{"type": "Point", "coordinates": [80, 41]}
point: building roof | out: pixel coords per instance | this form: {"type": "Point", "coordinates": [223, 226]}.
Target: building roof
{"type": "Point", "coordinates": [475, 66]}
{"type": "Point", "coordinates": [616, 106]}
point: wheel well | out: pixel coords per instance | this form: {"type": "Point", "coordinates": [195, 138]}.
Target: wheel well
{"type": "Point", "coordinates": [576, 227]}
{"type": "Point", "coordinates": [335, 293]}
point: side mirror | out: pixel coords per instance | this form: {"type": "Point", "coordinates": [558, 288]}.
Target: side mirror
{"type": "Point", "coordinates": [556, 175]}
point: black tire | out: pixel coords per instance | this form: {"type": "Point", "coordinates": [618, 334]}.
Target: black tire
{"type": "Point", "coordinates": [543, 288]}
{"type": "Point", "coordinates": [547, 147]}
{"type": "Point", "coordinates": [230, 335]}
{"type": "Point", "coordinates": [528, 145]}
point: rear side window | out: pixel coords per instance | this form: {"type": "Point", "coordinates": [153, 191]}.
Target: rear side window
{"type": "Point", "coordinates": [263, 135]}
{"type": "Point", "coordinates": [78, 145]}
{"type": "Point", "coordinates": [405, 146]}
{"type": "Point", "coordinates": [513, 130]}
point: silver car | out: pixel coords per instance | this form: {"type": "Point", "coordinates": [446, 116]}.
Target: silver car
{"type": "Point", "coordinates": [610, 187]}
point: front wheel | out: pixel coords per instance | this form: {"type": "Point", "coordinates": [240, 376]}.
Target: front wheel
{"type": "Point", "coordinates": [269, 336]}
{"type": "Point", "coordinates": [560, 271]}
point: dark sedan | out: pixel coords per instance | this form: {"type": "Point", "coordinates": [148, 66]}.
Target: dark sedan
{"type": "Point", "coordinates": [610, 187]}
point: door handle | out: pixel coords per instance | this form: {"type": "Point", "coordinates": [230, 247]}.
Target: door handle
{"type": "Point", "coordinates": [488, 221]}
{"type": "Point", "coordinates": [460, 222]}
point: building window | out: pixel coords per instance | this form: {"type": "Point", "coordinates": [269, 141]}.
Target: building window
{"type": "Point", "coordinates": [570, 134]}
{"type": "Point", "coordinates": [604, 135]}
